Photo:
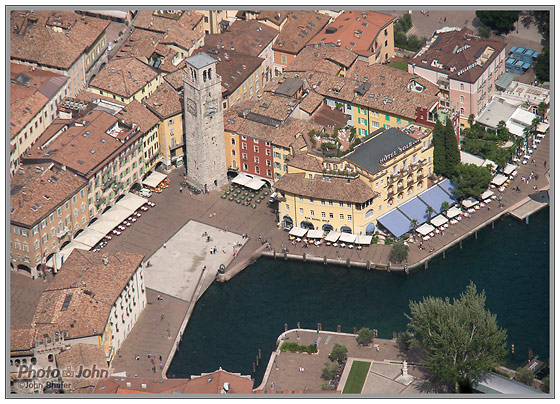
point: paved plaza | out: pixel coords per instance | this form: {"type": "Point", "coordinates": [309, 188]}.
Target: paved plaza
{"type": "Point", "coordinates": [284, 370]}
{"type": "Point", "coordinates": [176, 268]}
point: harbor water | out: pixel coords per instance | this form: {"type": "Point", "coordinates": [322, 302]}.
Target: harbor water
{"type": "Point", "coordinates": [233, 320]}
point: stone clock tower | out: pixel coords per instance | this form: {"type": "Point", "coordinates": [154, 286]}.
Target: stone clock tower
{"type": "Point", "coordinates": [204, 123]}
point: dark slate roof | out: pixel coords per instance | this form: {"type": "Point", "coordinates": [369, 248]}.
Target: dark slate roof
{"type": "Point", "coordinates": [374, 148]}
{"type": "Point", "coordinates": [289, 87]}
{"type": "Point", "coordinates": [200, 60]}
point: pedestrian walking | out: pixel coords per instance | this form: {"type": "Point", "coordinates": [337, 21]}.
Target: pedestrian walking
{"type": "Point", "coordinates": [164, 245]}
{"type": "Point", "coordinates": [161, 366]}
{"type": "Point", "coordinates": [181, 190]}
{"type": "Point", "coordinates": [545, 164]}
{"type": "Point", "coordinates": [162, 316]}
{"type": "Point", "coordinates": [160, 358]}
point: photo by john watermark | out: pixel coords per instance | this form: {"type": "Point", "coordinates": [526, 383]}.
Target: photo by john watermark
{"type": "Point", "coordinates": [50, 372]}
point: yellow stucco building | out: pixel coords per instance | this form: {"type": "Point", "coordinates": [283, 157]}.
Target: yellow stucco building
{"type": "Point", "coordinates": [348, 194]}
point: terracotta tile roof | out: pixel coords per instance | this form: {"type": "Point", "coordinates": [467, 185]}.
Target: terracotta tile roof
{"type": "Point", "coordinates": [150, 21]}
{"type": "Point", "coordinates": [124, 77]}
{"type": "Point", "coordinates": [213, 383]}
{"type": "Point", "coordinates": [140, 43]}
{"type": "Point", "coordinates": [88, 289]}
{"type": "Point", "coordinates": [325, 187]}
{"type": "Point", "coordinates": [22, 339]}
{"type": "Point", "coordinates": [72, 149]}
{"type": "Point", "coordinates": [378, 75]}
{"type": "Point", "coordinates": [299, 29]}
{"type": "Point", "coordinates": [33, 184]}
{"type": "Point", "coordinates": [310, 58]}
{"type": "Point", "coordinates": [311, 102]}
{"type": "Point", "coordinates": [303, 161]}
{"type": "Point", "coordinates": [277, 17]}
{"type": "Point", "coordinates": [457, 51]}
{"type": "Point", "coordinates": [184, 38]}
{"type": "Point", "coordinates": [25, 104]}
{"type": "Point", "coordinates": [81, 355]}
{"type": "Point", "coordinates": [355, 29]}
{"type": "Point", "coordinates": [328, 116]}
{"type": "Point", "coordinates": [175, 79]}
{"type": "Point", "coordinates": [233, 67]}
{"type": "Point", "coordinates": [139, 385]}
{"type": "Point", "coordinates": [136, 113]}
{"type": "Point", "coordinates": [283, 136]}
{"type": "Point", "coordinates": [33, 37]}
{"type": "Point", "coordinates": [247, 37]}
{"type": "Point", "coordinates": [165, 101]}
{"type": "Point", "coordinates": [396, 100]}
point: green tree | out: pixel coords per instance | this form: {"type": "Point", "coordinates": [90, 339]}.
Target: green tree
{"type": "Point", "coordinates": [339, 352]}
{"type": "Point", "coordinates": [542, 108]}
{"type": "Point", "coordinates": [525, 376]}
{"type": "Point", "coordinates": [326, 386]}
{"type": "Point", "coordinates": [399, 252]}
{"type": "Point", "coordinates": [429, 212]}
{"type": "Point", "coordinates": [365, 336]}
{"type": "Point", "coordinates": [470, 120]}
{"type": "Point", "coordinates": [500, 21]}
{"type": "Point", "coordinates": [542, 65]}
{"type": "Point", "coordinates": [439, 148]}
{"type": "Point", "coordinates": [413, 226]}
{"type": "Point", "coordinates": [471, 180]}
{"type": "Point", "coordinates": [484, 32]}
{"type": "Point", "coordinates": [444, 206]}
{"type": "Point", "coordinates": [329, 370]}
{"type": "Point", "coordinates": [461, 339]}
{"type": "Point", "coordinates": [452, 154]}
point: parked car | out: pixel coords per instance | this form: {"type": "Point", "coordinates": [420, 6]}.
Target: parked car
{"type": "Point", "coordinates": [273, 197]}
{"type": "Point", "coordinates": [145, 192]}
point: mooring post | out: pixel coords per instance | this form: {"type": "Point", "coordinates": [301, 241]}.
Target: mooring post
{"type": "Point", "coordinates": [368, 265]}
{"type": "Point", "coordinates": [388, 267]}
{"type": "Point", "coordinates": [476, 235]}
{"type": "Point", "coordinates": [348, 262]}
{"type": "Point", "coordinates": [304, 257]}
{"type": "Point", "coordinates": [425, 264]}
{"type": "Point", "coordinates": [460, 244]}
{"type": "Point", "coordinates": [319, 327]}
{"type": "Point", "coordinates": [285, 327]}
{"type": "Point", "coordinates": [257, 360]}
{"type": "Point", "coordinates": [285, 256]}
{"type": "Point", "coordinates": [298, 325]}
{"type": "Point", "coordinates": [338, 328]}
{"type": "Point", "coordinates": [259, 353]}
{"type": "Point", "coordinates": [254, 368]}
{"type": "Point", "coordinates": [355, 330]}
{"type": "Point", "coordinates": [527, 219]}
{"type": "Point", "coordinates": [274, 253]}
{"type": "Point", "coordinates": [443, 254]}
{"type": "Point", "coordinates": [492, 225]}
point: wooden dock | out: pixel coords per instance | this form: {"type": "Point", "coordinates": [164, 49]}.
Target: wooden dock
{"type": "Point", "coordinates": [527, 209]}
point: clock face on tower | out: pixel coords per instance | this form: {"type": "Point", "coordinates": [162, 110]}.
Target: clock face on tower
{"type": "Point", "coordinates": [191, 106]}
{"type": "Point", "coordinates": [211, 108]}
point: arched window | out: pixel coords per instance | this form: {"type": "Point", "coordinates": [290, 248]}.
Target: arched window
{"type": "Point", "coordinates": [204, 76]}
{"type": "Point", "coordinates": [369, 213]}
{"type": "Point", "coordinates": [209, 74]}
{"type": "Point", "coordinates": [346, 229]}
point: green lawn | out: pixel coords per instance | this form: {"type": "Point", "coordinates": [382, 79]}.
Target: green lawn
{"type": "Point", "coordinates": [400, 64]}
{"type": "Point", "coordinates": [356, 378]}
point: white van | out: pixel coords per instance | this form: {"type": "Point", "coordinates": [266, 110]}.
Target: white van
{"type": "Point", "coordinates": [273, 197]}
{"type": "Point", "coordinates": [145, 192]}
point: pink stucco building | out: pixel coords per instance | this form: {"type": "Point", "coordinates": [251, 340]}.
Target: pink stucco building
{"type": "Point", "coordinates": [465, 68]}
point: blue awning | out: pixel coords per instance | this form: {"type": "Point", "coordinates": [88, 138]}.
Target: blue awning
{"type": "Point", "coordinates": [415, 209]}
{"type": "Point", "coordinates": [394, 221]}
{"type": "Point", "coordinates": [447, 186]}
{"type": "Point", "coordinates": [435, 196]}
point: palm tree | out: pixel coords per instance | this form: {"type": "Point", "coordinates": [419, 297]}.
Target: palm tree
{"type": "Point", "coordinates": [541, 109]}
{"type": "Point", "coordinates": [429, 211]}
{"type": "Point", "coordinates": [414, 225]}
{"type": "Point", "coordinates": [444, 206]}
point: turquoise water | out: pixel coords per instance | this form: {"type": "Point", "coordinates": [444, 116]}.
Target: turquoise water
{"type": "Point", "coordinates": [234, 319]}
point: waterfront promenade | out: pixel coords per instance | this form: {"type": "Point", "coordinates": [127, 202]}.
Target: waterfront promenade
{"type": "Point", "coordinates": [174, 209]}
